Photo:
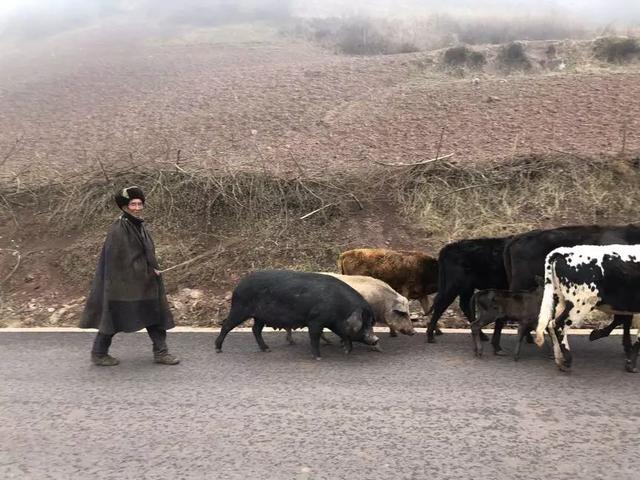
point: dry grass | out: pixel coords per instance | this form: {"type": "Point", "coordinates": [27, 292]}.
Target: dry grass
{"type": "Point", "coordinates": [452, 202]}
{"type": "Point", "coordinates": [448, 200]}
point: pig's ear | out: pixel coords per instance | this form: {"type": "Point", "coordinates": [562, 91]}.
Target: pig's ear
{"type": "Point", "coordinates": [354, 322]}
{"type": "Point", "coordinates": [399, 310]}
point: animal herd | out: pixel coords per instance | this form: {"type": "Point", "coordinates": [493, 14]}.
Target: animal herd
{"type": "Point", "coordinates": [544, 280]}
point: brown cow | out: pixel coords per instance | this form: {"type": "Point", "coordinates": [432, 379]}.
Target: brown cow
{"type": "Point", "coordinates": [410, 273]}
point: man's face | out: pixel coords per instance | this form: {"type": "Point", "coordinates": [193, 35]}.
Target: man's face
{"type": "Point", "coordinates": [135, 207]}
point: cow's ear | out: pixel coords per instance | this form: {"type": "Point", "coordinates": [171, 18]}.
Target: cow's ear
{"type": "Point", "coordinates": [354, 322]}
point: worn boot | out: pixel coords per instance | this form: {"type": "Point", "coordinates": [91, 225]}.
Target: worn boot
{"type": "Point", "coordinates": [104, 360]}
{"type": "Point", "coordinates": [165, 358]}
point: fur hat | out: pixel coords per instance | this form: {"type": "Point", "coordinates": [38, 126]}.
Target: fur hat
{"type": "Point", "coordinates": [127, 194]}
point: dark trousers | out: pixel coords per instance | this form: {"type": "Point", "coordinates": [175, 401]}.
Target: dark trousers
{"type": "Point", "coordinates": [158, 336]}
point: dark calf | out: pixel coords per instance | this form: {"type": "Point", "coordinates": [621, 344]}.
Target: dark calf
{"type": "Point", "coordinates": [499, 306]}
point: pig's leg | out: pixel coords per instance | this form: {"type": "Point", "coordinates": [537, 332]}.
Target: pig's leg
{"type": "Point", "coordinates": [290, 337]}
{"type": "Point", "coordinates": [234, 319]}
{"type": "Point", "coordinates": [392, 332]}
{"type": "Point", "coordinates": [257, 332]}
{"type": "Point", "coordinates": [315, 332]}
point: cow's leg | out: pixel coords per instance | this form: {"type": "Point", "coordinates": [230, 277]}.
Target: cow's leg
{"type": "Point", "coordinates": [426, 307]}
{"type": "Point", "coordinates": [523, 329]}
{"type": "Point", "coordinates": [598, 333]}
{"type": "Point", "coordinates": [325, 339]}
{"type": "Point", "coordinates": [495, 338]}
{"type": "Point", "coordinates": [476, 331]}
{"type": "Point", "coordinates": [465, 306]}
{"type": "Point", "coordinates": [257, 333]}
{"type": "Point", "coordinates": [234, 319]}
{"type": "Point", "coordinates": [440, 304]}
{"type": "Point", "coordinates": [626, 333]}
{"type": "Point", "coordinates": [631, 364]}
{"type": "Point", "coordinates": [290, 337]}
{"type": "Point", "coordinates": [557, 353]}
{"type": "Point", "coordinates": [561, 328]}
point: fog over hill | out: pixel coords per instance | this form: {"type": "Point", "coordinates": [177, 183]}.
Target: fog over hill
{"type": "Point", "coordinates": [22, 20]}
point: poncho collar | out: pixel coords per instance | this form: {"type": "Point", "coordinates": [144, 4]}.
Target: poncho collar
{"type": "Point", "coordinates": [136, 221]}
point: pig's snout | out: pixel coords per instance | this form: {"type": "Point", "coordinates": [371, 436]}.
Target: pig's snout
{"type": "Point", "coordinates": [371, 340]}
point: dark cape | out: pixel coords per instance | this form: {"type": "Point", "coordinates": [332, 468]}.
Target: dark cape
{"type": "Point", "coordinates": [126, 294]}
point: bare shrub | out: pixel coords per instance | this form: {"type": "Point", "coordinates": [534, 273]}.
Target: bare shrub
{"type": "Point", "coordinates": [461, 56]}
{"type": "Point", "coordinates": [355, 35]}
{"type": "Point", "coordinates": [513, 57]}
{"type": "Point", "coordinates": [616, 49]}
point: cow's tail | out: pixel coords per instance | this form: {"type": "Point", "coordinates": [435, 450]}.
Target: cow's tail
{"type": "Point", "coordinates": [472, 307]}
{"type": "Point", "coordinates": [506, 258]}
{"type": "Point", "coordinates": [547, 308]}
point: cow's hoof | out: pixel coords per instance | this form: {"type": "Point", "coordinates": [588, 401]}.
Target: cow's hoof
{"type": "Point", "coordinates": [266, 350]}
{"type": "Point", "coordinates": [516, 358]}
{"type": "Point", "coordinates": [629, 368]}
{"type": "Point", "coordinates": [564, 368]}
{"type": "Point", "coordinates": [318, 358]}
{"type": "Point", "coordinates": [500, 353]}
{"type": "Point", "coordinates": [431, 339]}
{"type": "Point", "coordinates": [393, 334]}
{"type": "Point", "coordinates": [483, 336]}
{"type": "Point", "coordinates": [376, 348]}
{"type": "Point", "coordinates": [478, 353]}
{"type": "Point", "coordinates": [218, 350]}
{"type": "Point", "coordinates": [595, 334]}
{"type": "Point", "coordinates": [439, 332]}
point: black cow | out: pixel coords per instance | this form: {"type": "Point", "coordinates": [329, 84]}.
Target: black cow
{"type": "Point", "coordinates": [463, 268]}
{"type": "Point", "coordinates": [524, 257]}
{"type": "Point", "coordinates": [289, 299]}
{"type": "Point", "coordinates": [584, 278]}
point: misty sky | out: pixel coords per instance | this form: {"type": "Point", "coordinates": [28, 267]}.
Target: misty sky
{"type": "Point", "coordinates": [23, 19]}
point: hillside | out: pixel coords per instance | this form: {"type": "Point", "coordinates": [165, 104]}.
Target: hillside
{"type": "Point", "coordinates": [247, 99]}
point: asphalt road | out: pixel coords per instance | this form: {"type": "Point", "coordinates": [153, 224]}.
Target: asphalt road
{"type": "Point", "coordinates": [415, 411]}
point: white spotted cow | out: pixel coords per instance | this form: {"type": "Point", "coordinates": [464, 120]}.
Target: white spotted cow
{"type": "Point", "coordinates": [584, 278]}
